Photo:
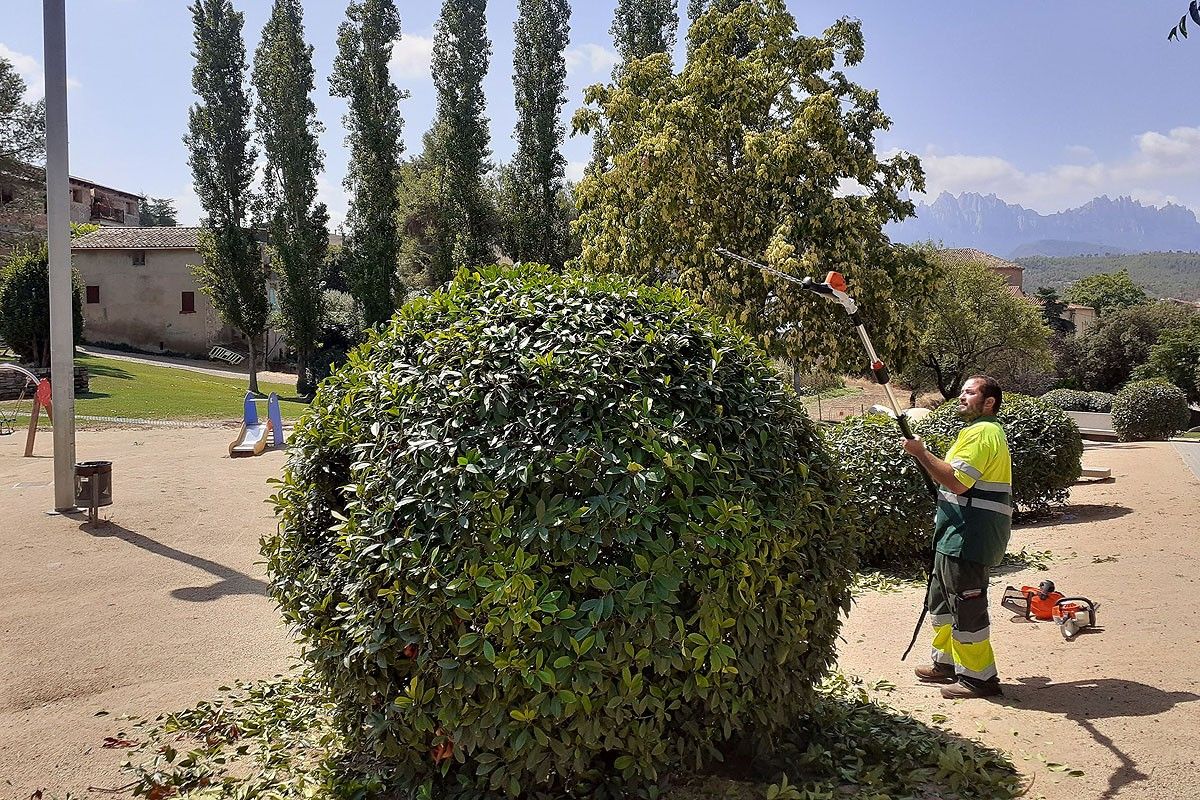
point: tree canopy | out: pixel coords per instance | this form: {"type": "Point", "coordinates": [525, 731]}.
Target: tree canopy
{"type": "Point", "coordinates": [158, 212]}
{"type": "Point", "coordinates": [373, 124]}
{"type": "Point", "coordinates": [539, 79]}
{"type": "Point", "coordinates": [761, 145]}
{"type": "Point", "coordinates": [1106, 292]}
{"type": "Point", "coordinates": [973, 324]}
{"type": "Point", "coordinates": [642, 28]}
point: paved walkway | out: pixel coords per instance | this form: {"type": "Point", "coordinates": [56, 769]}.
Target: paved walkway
{"type": "Point", "coordinates": [1190, 453]}
{"type": "Point", "coordinates": [190, 364]}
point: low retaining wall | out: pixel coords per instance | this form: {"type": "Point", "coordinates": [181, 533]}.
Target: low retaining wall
{"type": "Point", "coordinates": [11, 382]}
{"type": "Point", "coordinates": [1093, 424]}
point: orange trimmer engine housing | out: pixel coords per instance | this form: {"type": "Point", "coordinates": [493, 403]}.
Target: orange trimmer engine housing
{"type": "Point", "coordinates": [1032, 602]}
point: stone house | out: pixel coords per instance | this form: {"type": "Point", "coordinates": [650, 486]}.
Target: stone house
{"type": "Point", "coordinates": [140, 292]}
{"type": "Point", "coordinates": [23, 204]}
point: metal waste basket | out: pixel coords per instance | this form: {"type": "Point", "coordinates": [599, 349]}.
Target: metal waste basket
{"type": "Point", "coordinates": [93, 486]}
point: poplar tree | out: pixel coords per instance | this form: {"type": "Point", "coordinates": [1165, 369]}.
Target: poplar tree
{"type": "Point", "coordinates": [641, 28]}
{"type": "Point", "coordinates": [539, 81]}
{"type": "Point", "coordinates": [222, 161]}
{"type": "Point", "coordinates": [458, 144]}
{"type": "Point", "coordinates": [373, 124]}
{"type": "Point", "coordinates": [288, 127]}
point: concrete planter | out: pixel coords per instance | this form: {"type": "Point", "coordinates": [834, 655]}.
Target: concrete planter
{"type": "Point", "coordinates": [1093, 424]}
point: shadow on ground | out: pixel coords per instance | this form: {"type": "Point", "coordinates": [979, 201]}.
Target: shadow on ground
{"type": "Point", "coordinates": [1070, 515]}
{"type": "Point", "coordinates": [1103, 698]}
{"type": "Point", "coordinates": [232, 581]}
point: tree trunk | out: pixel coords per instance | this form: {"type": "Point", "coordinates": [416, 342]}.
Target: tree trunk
{"type": "Point", "coordinates": [304, 382]}
{"type": "Point", "coordinates": [252, 357]}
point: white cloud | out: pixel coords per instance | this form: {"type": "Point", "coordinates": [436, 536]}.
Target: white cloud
{"type": "Point", "coordinates": [1158, 168]}
{"type": "Point", "coordinates": [32, 73]}
{"type": "Point", "coordinates": [591, 58]}
{"type": "Point", "coordinates": [1078, 152]}
{"type": "Point", "coordinates": [411, 57]}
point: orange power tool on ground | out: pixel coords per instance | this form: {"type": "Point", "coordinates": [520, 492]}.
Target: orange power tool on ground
{"type": "Point", "coordinates": [1044, 602]}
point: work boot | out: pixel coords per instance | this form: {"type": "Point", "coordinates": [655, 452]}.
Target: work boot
{"type": "Point", "coordinates": [963, 691]}
{"type": "Point", "coordinates": [936, 673]}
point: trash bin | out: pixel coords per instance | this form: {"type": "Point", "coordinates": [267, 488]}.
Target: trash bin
{"type": "Point", "coordinates": [93, 486]}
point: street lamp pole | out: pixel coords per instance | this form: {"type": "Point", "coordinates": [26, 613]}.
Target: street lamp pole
{"type": "Point", "coordinates": [58, 240]}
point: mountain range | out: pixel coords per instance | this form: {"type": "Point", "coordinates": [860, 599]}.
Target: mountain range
{"type": "Point", "coordinates": [1099, 227]}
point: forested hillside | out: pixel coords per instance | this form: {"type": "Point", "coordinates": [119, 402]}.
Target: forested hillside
{"type": "Point", "coordinates": [1173, 274]}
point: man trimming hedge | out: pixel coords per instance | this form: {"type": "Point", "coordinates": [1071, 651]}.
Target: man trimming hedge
{"type": "Point", "coordinates": [971, 530]}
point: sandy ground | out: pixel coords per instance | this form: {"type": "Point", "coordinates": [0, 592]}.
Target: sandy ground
{"type": "Point", "coordinates": [1119, 704]}
{"type": "Point", "coordinates": [155, 610]}
{"type": "Point", "coordinates": [148, 613]}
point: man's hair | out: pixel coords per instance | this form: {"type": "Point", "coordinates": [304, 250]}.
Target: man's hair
{"type": "Point", "coordinates": [989, 387]}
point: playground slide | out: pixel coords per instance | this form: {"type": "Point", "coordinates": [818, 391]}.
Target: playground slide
{"type": "Point", "coordinates": [253, 438]}
{"type": "Point", "coordinates": [251, 441]}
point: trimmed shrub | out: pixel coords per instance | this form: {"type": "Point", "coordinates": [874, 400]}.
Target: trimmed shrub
{"type": "Point", "coordinates": [555, 535]}
{"type": "Point", "coordinates": [25, 305]}
{"type": "Point", "coordinates": [1068, 399]}
{"type": "Point", "coordinates": [1046, 447]}
{"type": "Point", "coordinates": [894, 508]}
{"type": "Point", "coordinates": [1149, 410]}
{"type": "Point", "coordinates": [1101, 402]}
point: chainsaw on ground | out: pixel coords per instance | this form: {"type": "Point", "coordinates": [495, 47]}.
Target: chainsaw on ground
{"type": "Point", "coordinates": [1044, 602]}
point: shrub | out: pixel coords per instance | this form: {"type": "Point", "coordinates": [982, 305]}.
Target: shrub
{"type": "Point", "coordinates": [25, 305]}
{"type": "Point", "coordinates": [888, 493]}
{"type": "Point", "coordinates": [1068, 399]}
{"type": "Point", "coordinates": [1100, 402]}
{"type": "Point", "coordinates": [1151, 409]}
{"type": "Point", "coordinates": [566, 529]}
{"type": "Point", "coordinates": [1045, 444]}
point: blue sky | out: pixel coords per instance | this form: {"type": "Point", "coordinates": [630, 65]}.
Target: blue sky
{"type": "Point", "coordinates": [1046, 104]}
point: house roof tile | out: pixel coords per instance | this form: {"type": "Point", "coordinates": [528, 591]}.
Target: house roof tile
{"type": "Point", "coordinates": [117, 238]}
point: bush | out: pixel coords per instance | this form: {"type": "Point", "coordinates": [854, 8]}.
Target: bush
{"type": "Point", "coordinates": [25, 305]}
{"type": "Point", "coordinates": [341, 330]}
{"type": "Point", "coordinates": [1045, 444]}
{"type": "Point", "coordinates": [1068, 399]}
{"type": "Point", "coordinates": [1101, 402]}
{"type": "Point", "coordinates": [1148, 410]}
{"type": "Point", "coordinates": [568, 529]}
{"type": "Point", "coordinates": [888, 493]}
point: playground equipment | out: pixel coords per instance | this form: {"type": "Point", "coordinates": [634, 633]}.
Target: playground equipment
{"type": "Point", "coordinates": [39, 398]}
{"type": "Point", "coordinates": [252, 438]}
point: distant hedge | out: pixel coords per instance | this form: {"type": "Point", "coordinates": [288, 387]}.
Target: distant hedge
{"type": "Point", "coordinates": [1046, 447]}
{"type": "Point", "coordinates": [1149, 410]}
{"type": "Point", "coordinates": [552, 535]}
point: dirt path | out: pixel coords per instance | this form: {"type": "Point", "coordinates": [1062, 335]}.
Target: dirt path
{"type": "Point", "coordinates": [1121, 704]}
{"type": "Point", "coordinates": [156, 610]}
{"type": "Point", "coordinates": [147, 614]}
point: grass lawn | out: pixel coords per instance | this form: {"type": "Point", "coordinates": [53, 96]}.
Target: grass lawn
{"type": "Point", "coordinates": [148, 391]}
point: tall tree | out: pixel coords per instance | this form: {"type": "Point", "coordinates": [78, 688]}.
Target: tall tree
{"type": "Point", "coordinates": [222, 161]}
{"type": "Point", "coordinates": [1052, 311]}
{"type": "Point", "coordinates": [288, 125]}
{"type": "Point", "coordinates": [974, 324]}
{"type": "Point", "coordinates": [750, 148]}
{"type": "Point", "coordinates": [539, 81]}
{"type": "Point", "coordinates": [458, 144]}
{"type": "Point", "coordinates": [158, 212]}
{"type": "Point", "coordinates": [22, 144]}
{"type": "Point", "coordinates": [373, 125]}
{"type": "Point", "coordinates": [642, 28]}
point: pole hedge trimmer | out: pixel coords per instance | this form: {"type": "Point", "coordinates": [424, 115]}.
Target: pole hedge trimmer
{"type": "Point", "coordinates": [834, 288]}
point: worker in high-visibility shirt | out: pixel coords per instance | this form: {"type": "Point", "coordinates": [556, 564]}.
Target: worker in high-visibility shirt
{"type": "Point", "coordinates": [971, 530]}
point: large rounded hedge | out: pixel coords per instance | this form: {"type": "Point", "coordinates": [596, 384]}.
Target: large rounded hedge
{"type": "Point", "coordinates": [1045, 444]}
{"type": "Point", "coordinates": [894, 507]}
{"type": "Point", "coordinates": [1100, 402]}
{"type": "Point", "coordinates": [1150, 409]}
{"type": "Point", "coordinates": [550, 535]}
